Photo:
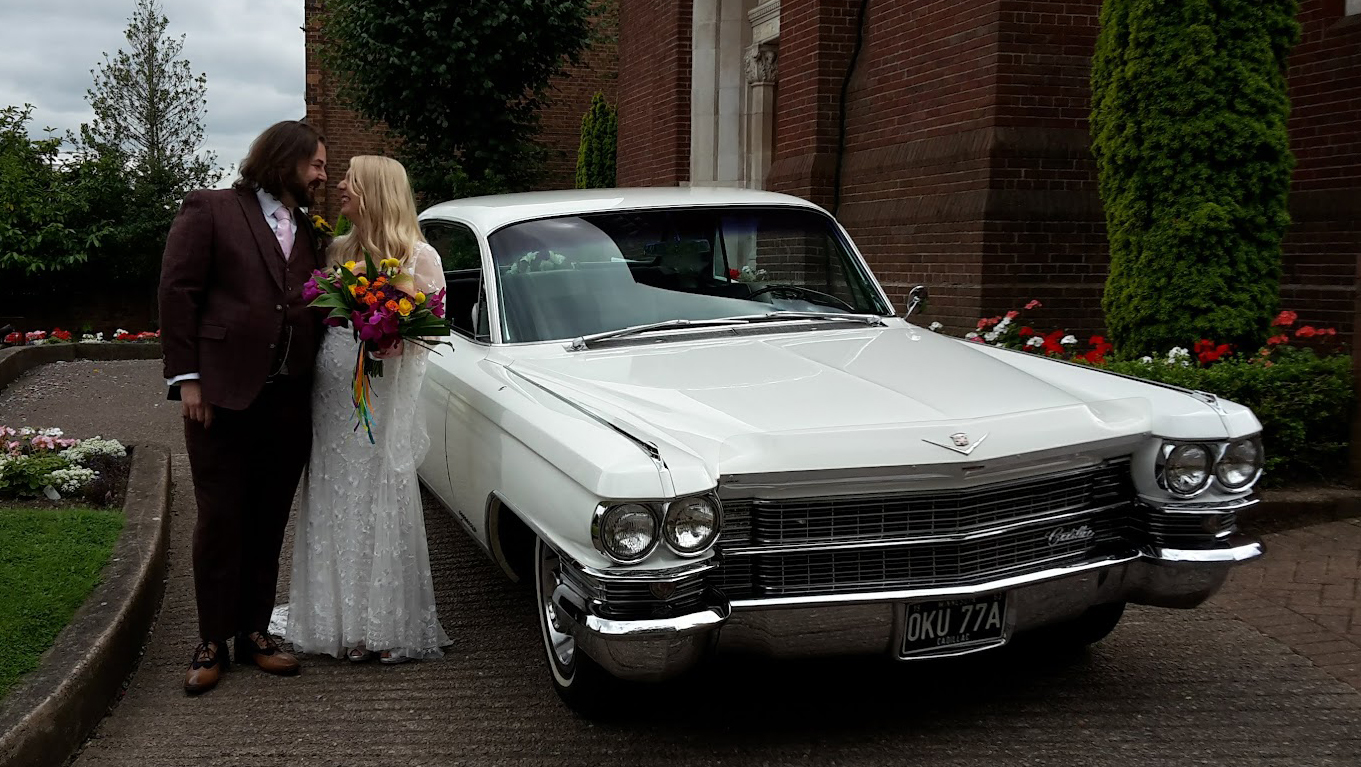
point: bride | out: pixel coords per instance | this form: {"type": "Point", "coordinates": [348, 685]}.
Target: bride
{"type": "Point", "coordinates": [361, 580]}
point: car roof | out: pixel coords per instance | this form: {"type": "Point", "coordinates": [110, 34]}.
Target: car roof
{"type": "Point", "coordinates": [495, 211]}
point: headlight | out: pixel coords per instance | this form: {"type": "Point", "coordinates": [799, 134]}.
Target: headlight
{"type": "Point", "coordinates": [627, 533]}
{"type": "Point", "coordinates": [1241, 463]}
{"type": "Point", "coordinates": [1186, 469]}
{"type": "Point", "coordinates": [691, 525]}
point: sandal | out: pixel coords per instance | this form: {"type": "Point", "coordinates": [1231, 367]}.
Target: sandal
{"type": "Point", "coordinates": [392, 660]}
{"type": "Point", "coordinates": [359, 654]}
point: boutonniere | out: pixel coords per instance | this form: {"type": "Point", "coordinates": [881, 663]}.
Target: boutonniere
{"type": "Point", "coordinates": [322, 228]}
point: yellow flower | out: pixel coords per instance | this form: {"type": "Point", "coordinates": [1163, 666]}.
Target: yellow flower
{"type": "Point", "coordinates": [364, 281]}
{"type": "Point", "coordinates": [354, 290]}
{"type": "Point", "coordinates": [404, 307]}
{"type": "Point", "coordinates": [350, 265]}
{"type": "Point", "coordinates": [420, 298]}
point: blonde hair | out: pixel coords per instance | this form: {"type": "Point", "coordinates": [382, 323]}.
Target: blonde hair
{"type": "Point", "coordinates": [385, 223]}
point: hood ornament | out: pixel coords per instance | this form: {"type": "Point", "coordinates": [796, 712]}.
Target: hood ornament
{"type": "Point", "coordinates": [959, 442]}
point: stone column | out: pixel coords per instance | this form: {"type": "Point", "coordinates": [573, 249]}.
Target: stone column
{"type": "Point", "coordinates": [761, 75]}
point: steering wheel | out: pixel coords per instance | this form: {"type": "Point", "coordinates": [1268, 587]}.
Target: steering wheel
{"type": "Point", "coordinates": [808, 294]}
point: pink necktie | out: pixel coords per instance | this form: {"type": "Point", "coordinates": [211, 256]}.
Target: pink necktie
{"type": "Point", "coordinates": [284, 230]}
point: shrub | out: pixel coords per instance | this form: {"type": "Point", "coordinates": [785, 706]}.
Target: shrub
{"type": "Point", "coordinates": [1188, 120]}
{"type": "Point", "coordinates": [599, 138]}
{"type": "Point", "coordinates": [1298, 384]}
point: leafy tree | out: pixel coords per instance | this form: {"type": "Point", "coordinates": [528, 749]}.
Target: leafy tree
{"type": "Point", "coordinates": [1189, 112]}
{"type": "Point", "coordinates": [459, 83]}
{"type": "Point", "coordinates": [43, 224]}
{"type": "Point", "coordinates": [599, 138]}
{"type": "Point", "coordinates": [150, 105]}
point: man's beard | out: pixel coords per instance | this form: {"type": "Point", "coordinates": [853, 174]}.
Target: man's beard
{"type": "Point", "coordinates": [301, 193]}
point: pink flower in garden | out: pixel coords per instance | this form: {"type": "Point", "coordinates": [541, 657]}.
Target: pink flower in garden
{"type": "Point", "coordinates": [1306, 332]}
{"type": "Point", "coordinates": [1034, 305]}
{"type": "Point", "coordinates": [6, 431]}
{"type": "Point", "coordinates": [1013, 314]}
{"type": "Point", "coordinates": [1285, 319]}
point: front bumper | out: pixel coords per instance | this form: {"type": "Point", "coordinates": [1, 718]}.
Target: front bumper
{"type": "Point", "coordinates": [872, 623]}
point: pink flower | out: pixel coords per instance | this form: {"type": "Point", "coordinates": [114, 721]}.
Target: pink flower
{"type": "Point", "coordinates": [1013, 314]}
{"type": "Point", "coordinates": [1034, 305]}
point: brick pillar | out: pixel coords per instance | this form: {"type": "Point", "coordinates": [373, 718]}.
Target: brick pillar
{"type": "Point", "coordinates": [816, 41]}
{"type": "Point", "coordinates": [654, 92]}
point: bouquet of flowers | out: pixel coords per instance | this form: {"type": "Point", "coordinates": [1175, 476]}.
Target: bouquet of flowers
{"type": "Point", "coordinates": [383, 307]}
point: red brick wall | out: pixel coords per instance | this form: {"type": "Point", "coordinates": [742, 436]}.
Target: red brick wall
{"type": "Point", "coordinates": [967, 162]}
{"type": "Point", "coordinates": [654, 92]}
{"type": "Point", "coordinates": [919, 132]}
{"type": "Point", "coordinates": [1322, 248]}
{"type": "Point", "coordinates": [348, 134]}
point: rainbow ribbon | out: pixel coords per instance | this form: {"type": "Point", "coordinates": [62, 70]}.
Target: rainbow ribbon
{"type": "Point", "coordinates": [363, 387]}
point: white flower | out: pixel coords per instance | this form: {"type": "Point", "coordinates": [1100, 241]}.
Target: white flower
{"type": "Point", "coordinates": [1001, 326]}
{"type": "Point", "coordinates": [1069, 340]}
{"type": "Point", "coordinates": [1177, 353]}
{"type": "Point", "coordinates": [27, 431]}
{"type": "Point", "coordinates": [1035, 341]}
{"type": "Point", "coordinates": [990, 336]}
{"type": "Point", "coordinates": [70, 480]}
{"type": "Point", "coordinates": [971, 334]}
{"type": "Point", "coordinates": [94, 446]}
{"type": "Point", "coordinates": [936, 326]}
{"type": "Point", "coordinates": [120, 332]}
{"type": "Point", "coordinates": [1145, 359]}
{"type": "Point", "coordinates": [99, 337]}
{"type": "Point", "coordinates": [51, 432]}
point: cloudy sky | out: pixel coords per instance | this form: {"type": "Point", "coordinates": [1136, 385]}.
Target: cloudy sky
{"type": "Point", "coordinates": [251, 50]}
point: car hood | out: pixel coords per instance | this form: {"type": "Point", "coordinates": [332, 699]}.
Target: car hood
{"type": "Point", "coordinates": [832, 399]}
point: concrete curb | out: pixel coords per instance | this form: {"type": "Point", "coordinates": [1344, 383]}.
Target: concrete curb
{"type": "Point", "coordinates": [17, 360]}
{"type": "Point", "coordinates": [51, 713]}
{"type": "Point", "coordinates": [1286, 509]}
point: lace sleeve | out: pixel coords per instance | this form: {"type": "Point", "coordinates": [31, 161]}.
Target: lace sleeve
{"type": "Point", "coordinates": [429, 269]}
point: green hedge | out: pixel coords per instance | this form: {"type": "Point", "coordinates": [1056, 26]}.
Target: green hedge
{"type": "Point", "coordinates": [1303, 401]}
{"type": "Point", "coordinates": [599, 137]}
{"type": "Point", "coordinates": [1188, 121]}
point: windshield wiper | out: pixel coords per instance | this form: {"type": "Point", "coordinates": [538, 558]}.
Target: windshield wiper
{"type": "Point", "coordinates": [778, 316]}
{"type": "Point", "coordinates": [584, 342]}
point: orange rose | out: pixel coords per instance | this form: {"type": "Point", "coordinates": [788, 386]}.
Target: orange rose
{"type": "Point", "coordinates": [370, 299]}
{"type": "Point", "coordinates": [390, 306]}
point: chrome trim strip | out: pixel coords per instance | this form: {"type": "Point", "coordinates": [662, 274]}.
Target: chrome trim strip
{"type": "Point", "coordinates": [1209, 507]}
{"type": "Point", "coordinates": [667, 575]}
{"type": "Point", "coordinates": [924, 540]}
{"type": "Point", "coordinates": [950, 592]}
{"type": "Point", "coordinates": [679, 626]}
{"type": "Point", "coordinates": [1241, 549]}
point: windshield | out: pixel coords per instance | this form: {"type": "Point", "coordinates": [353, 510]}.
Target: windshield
{"type": "Point", "coordinates": [562, 278]}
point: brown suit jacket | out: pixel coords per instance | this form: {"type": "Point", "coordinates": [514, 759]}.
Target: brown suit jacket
{"type": "Point", "coordinates": [231, 306]}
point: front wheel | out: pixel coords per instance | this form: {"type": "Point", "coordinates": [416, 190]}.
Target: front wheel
{"type": "Point", "coordinates": [581, 682]}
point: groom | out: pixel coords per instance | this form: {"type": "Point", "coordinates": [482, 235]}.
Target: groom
{"type": "Point", "coordinates": [239, 343]}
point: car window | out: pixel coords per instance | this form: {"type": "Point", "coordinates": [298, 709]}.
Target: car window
{"type": "Point", "coordinates": [456, 243]}
{"type": "Point", "coordinates": [560, 278]}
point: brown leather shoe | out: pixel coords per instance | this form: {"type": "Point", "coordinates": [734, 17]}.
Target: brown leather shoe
{"type": "Point", "coordinates": [209, 662]}
{"type": "Point", "coordinates": [260, 648]}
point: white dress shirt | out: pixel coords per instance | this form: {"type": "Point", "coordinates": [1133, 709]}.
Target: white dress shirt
{"type": "Point", "coordinates": [268, 204]}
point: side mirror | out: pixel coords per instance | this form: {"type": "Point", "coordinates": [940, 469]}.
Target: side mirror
{"type": "Point", "coordinates": [915, 298]}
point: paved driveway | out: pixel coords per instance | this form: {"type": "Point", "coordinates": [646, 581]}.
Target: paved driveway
{"type": "Point", "coordinates": [1167, 688]}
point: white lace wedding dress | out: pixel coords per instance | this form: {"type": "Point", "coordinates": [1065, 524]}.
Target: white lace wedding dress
{"type": "Point", "coordinates": [361, 568]}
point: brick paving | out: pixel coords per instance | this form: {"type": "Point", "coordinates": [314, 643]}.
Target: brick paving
{"type": "Point", "coordinates": [1211, 686]}
{"type": "Point", "coordinates": [1306, 593]}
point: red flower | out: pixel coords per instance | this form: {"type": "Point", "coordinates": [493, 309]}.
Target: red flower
{"type": "Point", "coordinates": [1034, 305]}
{"type": "Point", "coordinates": [14, 338]}
{"type": "Point", "coordinates": [1097, 341]}
{"type": "Point", "coordinates": [61, 335]}
{"type": "Point", "coordinates": [1280, 339]}
{"type": "Point", "coordinates": [1285, 319]}
{"type": "Point", "coordinates": [1013, 314]}
{"type": "Point", "coordinates": [1025, 332]}
{"type": "Point", "coordinates": [1306, 332]}
{"type": "Point", "coordinates": [1203, 345]}
{"type": "Point", "coordinates": [1327, 331]}
{"type": "Point", "coordinates": [1052, 343]}
{"type": "Point", "coordinates": [1212, 353]}
{"type": "Point", "coordinates": [733, 274]}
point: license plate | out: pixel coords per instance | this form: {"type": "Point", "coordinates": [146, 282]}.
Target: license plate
{"type": "Point", "coordinates": [938, 627]}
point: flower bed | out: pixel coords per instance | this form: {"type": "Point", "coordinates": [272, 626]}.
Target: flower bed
{"type": "Point", "coordinates": [43, 464]}
{"type": "Point", "coordinates": [1299, 384]}
{"type": "Point", "coordinates": [59, 336]}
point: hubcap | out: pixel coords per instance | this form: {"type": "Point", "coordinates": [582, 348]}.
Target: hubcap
{"type": "Point", "coordinates": [561, 644]}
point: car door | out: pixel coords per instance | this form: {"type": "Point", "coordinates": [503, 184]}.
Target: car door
{"type": "Point", "coordinates": [447, 394]}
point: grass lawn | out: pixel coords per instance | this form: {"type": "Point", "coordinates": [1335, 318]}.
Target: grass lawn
{"type": "Point", "coordinates": [50, 560]}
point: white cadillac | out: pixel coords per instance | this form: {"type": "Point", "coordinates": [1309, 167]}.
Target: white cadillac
{"type": "Point", "coordinates": [693, 421]}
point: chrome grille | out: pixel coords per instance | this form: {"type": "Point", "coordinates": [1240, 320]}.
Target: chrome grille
{"type": "Point", "coordinates": [863, 543]}
{"type": "Point", "coordinates": [1180, 530]}
{"type": "Point", "coordinates": [885, 518]}
{"type": "Point", "coordinates": [625, 599]}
